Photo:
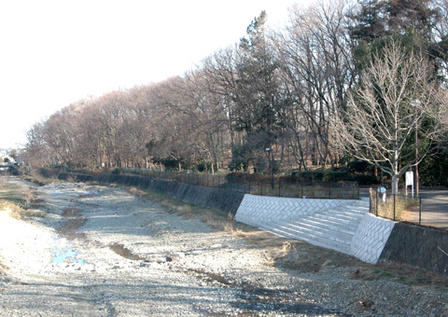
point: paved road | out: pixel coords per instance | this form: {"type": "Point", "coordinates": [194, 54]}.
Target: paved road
{"type": "Point", "coordinates": [435, 207]}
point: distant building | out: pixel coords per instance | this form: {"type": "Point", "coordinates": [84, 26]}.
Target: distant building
{"type": "Point", "coordinates": [4, 154]}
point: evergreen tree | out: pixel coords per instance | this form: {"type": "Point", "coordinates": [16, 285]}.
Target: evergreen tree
{"type": "Point", "coordinates": [258, 101]}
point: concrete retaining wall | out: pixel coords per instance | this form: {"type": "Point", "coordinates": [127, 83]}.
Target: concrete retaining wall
{"type": "Point", "coordinates": [256, 209]}
{"type": "Point", "coordinates": [376, 239]}
{"type": "Point", "coordinates": [370, 238]}
{"type": "Point", "coordinates": [419, 247]}
{"type": "Point", "coordinates": [219, 199]}
{"type": "Point", "coordinates": [226, 201]}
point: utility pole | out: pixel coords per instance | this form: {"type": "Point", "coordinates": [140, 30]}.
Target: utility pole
{"type": "Point", "coordinates": [416, 104]}
{"type": "Point", "coordinates": [271, 165]}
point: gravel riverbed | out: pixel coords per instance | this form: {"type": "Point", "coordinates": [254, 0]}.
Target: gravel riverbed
{"type": "Point", "coordinates": [101, 251]}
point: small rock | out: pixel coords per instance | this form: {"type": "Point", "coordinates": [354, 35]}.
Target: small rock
{"type": "Point", "coordinates": [366, 303]}
{"type": "Point", "coordinates": [172, 258]}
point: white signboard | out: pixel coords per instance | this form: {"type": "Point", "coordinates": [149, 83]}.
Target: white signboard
{"type": "Point", "coordinates": [409, 179]}
{"type": "Point", "coordinates": [410, 182]}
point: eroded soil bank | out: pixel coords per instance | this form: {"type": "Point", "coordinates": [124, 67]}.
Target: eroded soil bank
{"type": "Point", "coordinates": [102, 251]}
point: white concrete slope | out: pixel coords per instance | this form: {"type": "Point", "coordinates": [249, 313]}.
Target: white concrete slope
{"type": "Point", "coordinates": [342, 225]}
{"type": "Point", "coordinates": [332, 228]}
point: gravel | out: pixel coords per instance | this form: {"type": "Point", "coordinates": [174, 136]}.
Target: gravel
{"type": "Point", "coordinates": [101, 251]}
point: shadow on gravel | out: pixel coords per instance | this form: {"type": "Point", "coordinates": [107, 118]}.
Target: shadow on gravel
{"type": "Point", "coordinates": [250, 299]}
{"type": "Point", "coordinates": [262, 299]}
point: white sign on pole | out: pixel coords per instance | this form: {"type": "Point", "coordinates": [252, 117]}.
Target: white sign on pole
{"type": "Point", "coordinates": [409, 179]}
{"type": "Point", "coordinates": [410, 182]}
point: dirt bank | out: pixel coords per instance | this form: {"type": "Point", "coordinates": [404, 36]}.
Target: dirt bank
{"type": "Point", "coordinates": [102, 251]}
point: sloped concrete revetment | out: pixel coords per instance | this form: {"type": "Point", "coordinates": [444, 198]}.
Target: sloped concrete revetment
{"type": "Point", "coordinates": [342, 225]}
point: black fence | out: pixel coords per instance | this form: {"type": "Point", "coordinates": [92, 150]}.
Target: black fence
{"type": "Point", "coordinates": [395, 207]}
{"type": "Point", "coordinates": [258, 185]}
{"type": "Point", "coordinates": [406, 208]}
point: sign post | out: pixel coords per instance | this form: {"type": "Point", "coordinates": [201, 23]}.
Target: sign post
{"type": "Point", "coordinates": [410, 182]}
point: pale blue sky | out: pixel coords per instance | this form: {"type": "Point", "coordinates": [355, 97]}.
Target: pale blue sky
{"type": "Point", "coordinates": [55, 52]}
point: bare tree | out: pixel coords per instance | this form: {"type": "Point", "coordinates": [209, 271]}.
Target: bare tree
{"type": "Point", "coordinates": [92, 136]}
{"type": "Point", "coordinates": [220, 71]}
{"type": "Point", "coordinates": [140, 124]}
{"type": "Point", "coordinates": [174, 140]}
{"type": "Point", "coordinates": [36, 153]}
{"type": "Point", "coordinates": [207, 117]}
{"type": "Point", "coordinates": [397, 96]}
{"type": "Point", "coordinates": [315, 59]}
{"type": "Point", "coordinates": [61, 134]}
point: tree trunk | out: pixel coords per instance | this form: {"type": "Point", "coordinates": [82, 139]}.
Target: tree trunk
{"type": "Point", "coordinates": [395, 179]}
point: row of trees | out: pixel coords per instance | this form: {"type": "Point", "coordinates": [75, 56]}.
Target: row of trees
{"type": "Point", "coordinates": [312, 93]}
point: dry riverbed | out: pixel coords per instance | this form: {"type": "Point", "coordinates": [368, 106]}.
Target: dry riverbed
{"type": "Point", "coordinates": [92, 250]}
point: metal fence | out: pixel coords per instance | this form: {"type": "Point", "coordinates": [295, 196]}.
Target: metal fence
{"type": "Point", "coordinates": [405, 208]}
{"type": "Point", "coordinates": [259, 185]}
{"type": "Point", "coordinates": [395, 207]}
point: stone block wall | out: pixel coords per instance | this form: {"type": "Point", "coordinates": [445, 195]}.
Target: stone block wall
{"type": "Point", "coordinates": [370, 238]}
{"type": "Point", "coordinates": [255, 209]}
{"type": "Point", "coordinates": [420, 247]}
{"type": "Point", "coordinates": [226, 201]}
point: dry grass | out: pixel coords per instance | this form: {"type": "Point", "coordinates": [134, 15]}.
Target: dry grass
{"type": "Point", "coordinates": [12, 209]}
{"type": "Point", "coordinates": [216, 220]}
{"type": "Point", "coordinates": [401, 208]}
{"type": "Point", "coordinates": [13, 199]}
{"type": "Point", "coordinates": [16, 201]}
{"type": "Point", "coordinates": [401, 274]}
{"type": "Point", "coordinates": [21, 201]}
{"type": "Point", "coordinates": [34, 176]}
